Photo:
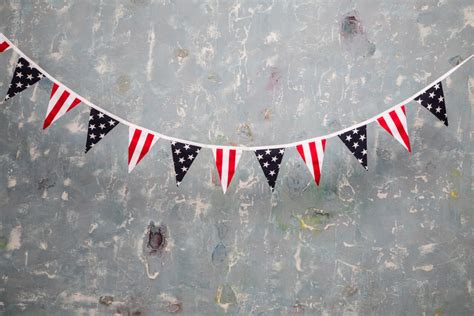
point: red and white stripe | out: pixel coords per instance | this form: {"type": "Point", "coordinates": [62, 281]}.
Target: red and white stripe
{"type": "Point", "coordinates": [60, 102]}
{"type": "Point", "coordinates": [139, 143]}
{"type": "Point", "coordinates": [226, 163]}
{"type": "Point", "coordinates": [395, 122]}
{"type": "Point", "coordinates": [3, 44]}
{"type": "Point", "coordinates": [313, 155]}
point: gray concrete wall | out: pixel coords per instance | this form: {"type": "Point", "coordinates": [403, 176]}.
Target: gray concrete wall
{"type": "Point", "coordinates": [396, 240]}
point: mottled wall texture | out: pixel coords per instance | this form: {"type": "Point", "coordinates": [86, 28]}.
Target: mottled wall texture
{"type": "Point", "coordinates": [395, 240]}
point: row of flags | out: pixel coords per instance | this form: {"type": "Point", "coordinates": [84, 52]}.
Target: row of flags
{"type": "Point", "coordinates": [226, 158]}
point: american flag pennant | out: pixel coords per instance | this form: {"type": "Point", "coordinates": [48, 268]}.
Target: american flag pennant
{"type": "Point", "coordinates": [140, 143]}
{"type": "Point", "coordinates": [100, 125]}
{"type": "Point", "coordinates": [25, 76]}
{"type": "Point", "coordinates": [395, 122]}
{"type": "Point", "coordinates": [183, 157]}
{"type": "Point", "coordinates": [226, 163]}
{"type": "Point", "coordinates": [356, 142]}
{"type": "Point", "coordinates": [433, 100]}
{"type": "Point", "coordinates": [3, 44]}
{"type": "Point", "coordinates": [61, 101]}
{"type": "Point", "coordinates": [313, 155]}
{"type": "Point", "coordinates": [270, 160]}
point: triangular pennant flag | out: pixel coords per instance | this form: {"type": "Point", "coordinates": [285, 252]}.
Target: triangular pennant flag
{"type": "Point", "coordinates": [226, 163]}
{"type": "Point", "coordinates": [61, 101]}
{"type": "Point", "coordinates": [270, 160]}
{"type": "Point", "coordinates": [25, 76]}
{"type": "Point", "coordinates": [356, 141]}
{"type": "Point", "coordinates": [140, 142]}
{"type": "Point", "coordinates": [313, 155]}
{"type": "Point", "coordinates": [433, 100]}
{"type": "Point", "coordinates": [183, 158]}
{"type": "Point", "coordinates": [3, 44]}
{"type": "Point", "coordinates": [100, 125]}
{"type": "Point", "coordinates": [395, 122]}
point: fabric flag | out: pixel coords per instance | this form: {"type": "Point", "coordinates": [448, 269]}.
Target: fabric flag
{"type": "Point", "coordinates": [61, 101]}
{"type": "Point", "coordinates": [100, 125]}
{"type": "Point", "coordinates": [226, 163]}
{"type": "Point", "coordinates": [395, 122]}
{"type": "Point", "coordinates": [433, 100]}
{"type": "Point", "coordinates": [356, 141]}
{"type": "Point", "coordinates": [183, 157]}
{"type": "Point", "coordinates": [3, 44]}
{"type": "Point", "coordinates": [140, 142]}
{"type": "Point", "coordinates": [313, 155]}
{"type": "Point", "coordinates": [270, 160]}
{"type": "Point", "coordinates": [25, 76]}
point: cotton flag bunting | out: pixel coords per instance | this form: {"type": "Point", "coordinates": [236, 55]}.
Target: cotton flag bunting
{"type": "Point", "coordinates": [61, 101]}
{"type": "Point", "coordinates": [226, 163]}
{"type": "Point", "coordinates": [313, 155]}
{"type": "Point", "coordinates": [395, 122]}
{"type": "Point", "coordinates": [183, 157]}
{"type": "Point", "coordinates": [3, 44]}
{"type": "Point", "coordinates": [140, 142]}
{"type": "Point", "coordinates": [25, 76]}
{"type": "Point", "coordinates": [100, 125]}
{"type": "Point", "coordinates": [356, 141]}
{"type": "Point", "coordinates": [433, 100]}
{"type": "Point", "coordinates": [270, 160]}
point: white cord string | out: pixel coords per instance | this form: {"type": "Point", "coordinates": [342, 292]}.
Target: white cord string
{"type": "Point", "coordinates": [243, 148]}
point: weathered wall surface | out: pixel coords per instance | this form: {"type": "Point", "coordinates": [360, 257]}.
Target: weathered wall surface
{"type": "Point", "coordinates": [396, 240]}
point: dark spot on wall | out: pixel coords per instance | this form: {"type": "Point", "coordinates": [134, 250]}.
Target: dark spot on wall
{"type": "Point", "coordinates": [351, 25]}
{"type": "Point", "coordinates": [274, 79]}
{"type": "Point", "coordinates": [456, 60]}
{"type": "Point", "coordinates": [181, 53]}
{"type": "Point", "coordinates": [298, 309]}
{"type": "Point", "coordinates": [123, 83]}
{"type": "Point", "coordinates": [219, 254]}
{"type": "Point", "coordinates": [156, 238]}
{"type": "Point", "coordinates": [318, 212]}
{"type": "Point", "coordinates": [46, 183]}
{"type": "Point", "coordinates": [349, 290]}
{"type": "Point", "coordinates": [106, 300]}
{"type": "Point", "coordinates": [370, 49]}
{"type": "Point", "coordinates": [267, 114]}
{"type": "Point", "coordinates": [174, 307]}
{"type": "Point", "coordinates": [222, 230]}
{"type": "Point", "coordinates": [246, 131]}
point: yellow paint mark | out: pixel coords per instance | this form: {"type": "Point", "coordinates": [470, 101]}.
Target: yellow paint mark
{"type": "Point", "coordinates": [454, 195]}
{"type": "Point", "coordinates": [437, 312]}
{"type": "Point", "coordinates": [456, 173]}
{"type": "Point", "coordinates": [219, 294]}
{"type": "Point", "coordinates": [303, 225]}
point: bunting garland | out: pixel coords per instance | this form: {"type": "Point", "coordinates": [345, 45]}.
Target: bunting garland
{"type": "Point", "coordinates": [395, 122]}
{"type": "Point", "coordinates": [226, 163]}
{"type": "Point", "coordinates": [356, 142]}
{"type": "Point", "coordinates": [3, 44]}
{"type": "Point", "coordinates": [184, 153]}
{"type": "Point", "coordinates": [433, 100]}
{"type": "Point", "coordinates": [270, 161]}
{"type": "Point", "coordinates": [100, 125]}
{"type": "Point", "coordinates": [60, 102]}
{"type": "Point", "coordinates": [24, 76]}
{"type": "Point", "coordinates": [140, 143]}
{"type": "Point", "coordinates": [183, 157]}
{"type": "Point", "coordinates": [313, 155]}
